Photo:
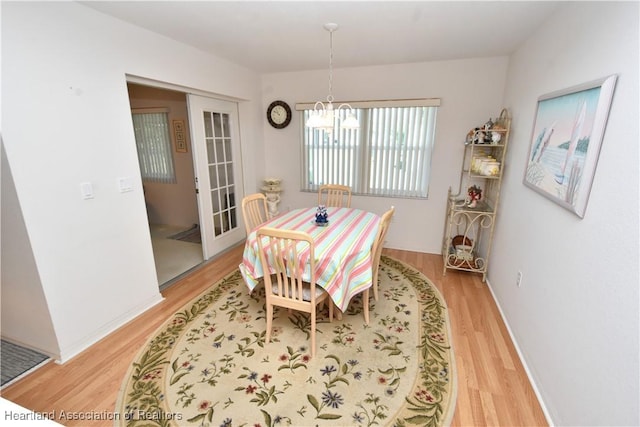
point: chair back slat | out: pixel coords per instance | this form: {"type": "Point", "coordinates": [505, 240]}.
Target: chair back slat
{"type": "Point", "coordinates": [254, 211]}
{"type": "Point", "coordinates": [334, 195]}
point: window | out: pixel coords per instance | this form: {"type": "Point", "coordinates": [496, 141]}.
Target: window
{"type": "Point", "coordinates": [151, 128]}
{"type": "Point", "coordinates": [390, 155]}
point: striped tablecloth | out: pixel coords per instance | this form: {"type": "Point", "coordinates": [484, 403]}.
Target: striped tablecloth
{"type": "Point", "coordinates": [343, 250]}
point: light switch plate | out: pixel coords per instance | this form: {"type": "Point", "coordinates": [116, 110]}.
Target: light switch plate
{"type": "Point", "coordinates": [125, 184]}
{"type": "Point", "coordinates": [87, 190]}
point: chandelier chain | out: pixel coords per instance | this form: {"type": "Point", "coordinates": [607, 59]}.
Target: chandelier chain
{"type": "Point", "coordinates": [326, 117]}
{"type": "Point", "coordinates": [330, 97]}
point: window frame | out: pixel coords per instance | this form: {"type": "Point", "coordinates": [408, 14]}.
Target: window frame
{"type": "Point", "coordinates": [361, 164]}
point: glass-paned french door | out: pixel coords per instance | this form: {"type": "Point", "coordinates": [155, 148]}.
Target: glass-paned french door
{"type": "Point", "coordinates": [218, 171]}
{"type": "Point", "coordinates": [220, 165]}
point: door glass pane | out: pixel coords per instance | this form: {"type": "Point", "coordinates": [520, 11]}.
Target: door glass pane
{"type": "Point", "coordinates": [222, 176]}
{"type": "Point", "coordinates": [215, 200]}
{"type": "Point", "coordinates": [217, 124]}
{"type": "Point", "coordinates": [227, 220]}
{"type": "Point", "coordinates": [225, 212]}
{"type": "Point", "coordinates": [225, 125]}
{"type": "Point", "coordinates": [217, 224]}
{"type": "Point", "coordinates": [232, 206]}
{"type": "Point", "coordinates": [211, 155]}
{"type": "Point", "coordinates": [227, 149]}
{"type": "Point", "coordinates": [208, 129]}
{"type": "Point", "coordinates": [227, 200]}
{"type": "Point", "coordinates": [219, 150]}
{"type": "Point", "coordinates": [230, 173]}
{"type": "Point", "coordinates": [213, 177]}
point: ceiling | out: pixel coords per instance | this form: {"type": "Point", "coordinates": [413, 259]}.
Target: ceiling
{"type": "Point", "coordinates": [275, 36]}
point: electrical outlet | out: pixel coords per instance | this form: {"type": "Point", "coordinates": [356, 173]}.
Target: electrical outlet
{"type": "Point", "coordinates": [519, 279]}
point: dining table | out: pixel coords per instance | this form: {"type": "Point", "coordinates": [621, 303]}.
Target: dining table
{"type": "Point", "coordinates": [343, 250]}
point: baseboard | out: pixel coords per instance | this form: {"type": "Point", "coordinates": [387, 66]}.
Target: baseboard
{"type": "Point", "coordinates": [107, 329]}
{"type": "Point", "coordinates": [545, 411]}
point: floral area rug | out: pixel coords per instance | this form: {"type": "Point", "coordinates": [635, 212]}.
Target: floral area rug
{"type": "Point", "coordinates": [209, 365]}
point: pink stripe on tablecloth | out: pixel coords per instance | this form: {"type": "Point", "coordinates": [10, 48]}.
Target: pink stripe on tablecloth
{"type": "Point", "coordinates": [343, 250]}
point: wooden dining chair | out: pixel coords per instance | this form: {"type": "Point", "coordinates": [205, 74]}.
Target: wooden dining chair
{"type": "Point", "coordinates": [280, 254]}
{"type": "Point", "coordinates": [254, 211]}
{"type": "Point", "coordinates": [334, 195]}
{"type": "Point", "coordinates": [377, 247]}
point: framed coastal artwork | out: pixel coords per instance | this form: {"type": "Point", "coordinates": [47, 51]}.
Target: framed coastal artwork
{"type": "Point", "coordinates": [565, 142]}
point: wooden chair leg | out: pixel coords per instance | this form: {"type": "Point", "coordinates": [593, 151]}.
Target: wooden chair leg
{"type": "Point", "coordinates": [313, 332]}
{"type": "Point", "coordinates": [375, 285]}
{"type": "Point", "coordinates": [269, 322]}
{"type": "Point", "coordinates": [365, 305]}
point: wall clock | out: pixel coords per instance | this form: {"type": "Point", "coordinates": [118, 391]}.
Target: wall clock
{"type": "Point", "coordinates": [279, 114]}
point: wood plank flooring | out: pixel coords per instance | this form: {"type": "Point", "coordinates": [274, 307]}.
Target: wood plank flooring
{"type": "Point", "coordinates": [493, 388]}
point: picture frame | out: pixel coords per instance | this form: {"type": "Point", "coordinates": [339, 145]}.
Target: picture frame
{"type": "Point", "coordinates": [566, 138]}
{"type": "Point", "coordinates": [179, 136]}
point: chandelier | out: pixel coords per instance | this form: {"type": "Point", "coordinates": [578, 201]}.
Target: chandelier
{"type": "Point", "coordinates": [324, 116]}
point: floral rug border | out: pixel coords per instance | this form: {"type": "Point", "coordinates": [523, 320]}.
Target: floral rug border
{"type": "Point", "coordinates": [431, 402]}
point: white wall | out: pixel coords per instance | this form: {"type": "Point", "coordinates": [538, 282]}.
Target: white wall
{"type": "Point", "coordinates": [575, 317]}
{"type": "Point", "coordinates": [471, 92]}
{"type": "Point", "coordinates": [69, 123]}
{"type": "Point", "coordinates": [27, 297]}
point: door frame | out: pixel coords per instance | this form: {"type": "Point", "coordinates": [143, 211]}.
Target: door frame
{"type": "Point", "coordinates": [131, 78]}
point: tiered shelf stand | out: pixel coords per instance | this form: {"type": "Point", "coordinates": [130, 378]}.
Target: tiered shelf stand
{"type": "Point", "coordinates": [468, 231]}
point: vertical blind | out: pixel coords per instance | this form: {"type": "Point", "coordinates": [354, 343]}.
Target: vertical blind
{"type": "Point", "coordinates": [390, 155]}
{"type": "Point", "coordinates": [153, 141]}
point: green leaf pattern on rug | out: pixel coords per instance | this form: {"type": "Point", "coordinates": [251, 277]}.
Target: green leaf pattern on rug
{"type": "Point", "coordinates": [258, 386]}
{"type": "Point", "coordinates": [396, 370]}
{"type": "Point", "coordinates": [294, 359]}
